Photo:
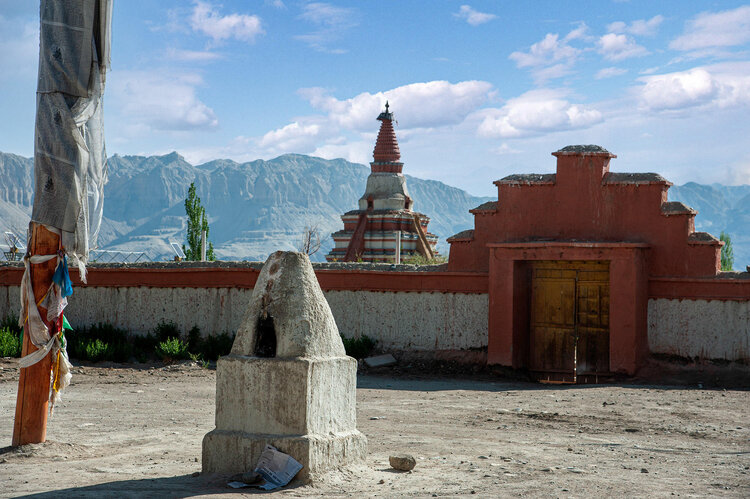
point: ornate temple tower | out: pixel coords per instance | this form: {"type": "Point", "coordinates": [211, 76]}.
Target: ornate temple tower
{"type": "Point", "coordinates": [384, 228]}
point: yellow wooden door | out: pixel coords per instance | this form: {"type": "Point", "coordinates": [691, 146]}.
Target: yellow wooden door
{"type": "Point", "coordinates": [569, 323]}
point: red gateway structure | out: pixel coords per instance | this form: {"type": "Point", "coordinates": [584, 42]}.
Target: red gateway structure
{"type": "Point", "coordinates": [384, 228]}
{"type": "Point", "coordinates": [569, 257]}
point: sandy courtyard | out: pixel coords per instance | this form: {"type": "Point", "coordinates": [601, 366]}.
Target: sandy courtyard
{"type": "Point", "coordinates": [127, 432]}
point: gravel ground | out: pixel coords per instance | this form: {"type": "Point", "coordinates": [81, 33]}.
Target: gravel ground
{"type": "Point", "coordinates": [136, 430]}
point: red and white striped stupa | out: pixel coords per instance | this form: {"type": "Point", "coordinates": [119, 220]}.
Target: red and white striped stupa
{"type": "Point", "coordinates": [384, 228]}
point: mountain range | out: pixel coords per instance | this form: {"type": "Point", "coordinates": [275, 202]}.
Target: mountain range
{"type": "Point", "coordinates": [253, 208]}
{"type": "Point", "coordinates": [262, 206]}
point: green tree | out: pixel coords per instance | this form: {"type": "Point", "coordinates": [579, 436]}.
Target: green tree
{"type": "Point", "coordinates": [727, 255]}
{"type": "Point", "coordinates": [196, 222]}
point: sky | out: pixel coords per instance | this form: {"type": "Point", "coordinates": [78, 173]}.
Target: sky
{"type": "Point", "coordinates": [479, 90]}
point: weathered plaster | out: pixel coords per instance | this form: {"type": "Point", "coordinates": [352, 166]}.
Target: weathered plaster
{"type": "Point", "coordinates": [138, 310]}
{"type": "Point", "coordinates": [10, 300]}
{"type": "Point", "coordinates": [413, 321]}
{"type": "Point", "coordinates": [398, 320]}
{"type": "Point", "coordinates": [710, 329]}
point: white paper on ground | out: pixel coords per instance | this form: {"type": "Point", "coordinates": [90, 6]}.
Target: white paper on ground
{"type": "Point", "coordinates": [276, 468]}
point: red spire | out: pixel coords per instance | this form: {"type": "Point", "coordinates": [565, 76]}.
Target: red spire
{"type": "Point", "coordinates": [386, 153]}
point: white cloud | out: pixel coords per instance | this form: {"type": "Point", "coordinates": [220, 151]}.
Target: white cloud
{"type": "Point", "coordinates": [331, 21]}
{"type": "Point", "coordinates": [551, 57]}
{"type": "Point", "coordinates": [581, 32]}
{"type": "Point", "coordinates": [609, 73]}
{"type": "Point", "coordinates": [355, 151]}
{"type": "Point", "coordinates": [505, 149]}
{"type": "Point", "coordinates": [207, 20]}
{"type": "Point", "coordinates": [721, 85]}
{"type": "Point", "coordinates": [715, 29]}
{"type": "Point", "coordinates": [298, 136]}
{"type": "Point", "coordinates": [641, 27]}
{"type": "Point", "coordinates": [347, 128]}
{"type": "Point", "coordinates": [738, 173]}
{"type": "Point", "coordinates": [551, 72]}
{"type": "Point", "coordinates": [545, 52]}
{"type": "Point", "coordinates": [616, 47]}
{"type": "Point", "coordinates": [159, 100]}
{"type": "Point", "coordinates": [174, 54]}
{"type": "Point", "coordinates": [429, 104]}
{"type": "Point", "coordinates": [536, 112]}
{"type": "Point", "coordinates": [649, 71]}
{"type": "Point", "coordinates": [678, 90]}
{"type": "Point", "coordinates": [473, 17]}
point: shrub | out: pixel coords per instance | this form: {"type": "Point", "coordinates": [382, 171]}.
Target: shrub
{"type": "Point", "coordinates": [166, 330]}
{"type": "Point", "coordinates": [423, 260]}
{"type": "Point", "coordinates": [172, 349]}
{"type": "Point", "coordinates": [10, 343]}
{"type": "Point", "coordinates": [213, 347]}
{"type": "Point", "coordinates": [194, 340]}
{"type": "Point", "coordinates": [10, 322]}
{"type": "Point", "coordinates": [99, 342]}
{"type": "Point", "coordinates": [359, 348]}
{"type": "Point", "coordinates": [96, 350]}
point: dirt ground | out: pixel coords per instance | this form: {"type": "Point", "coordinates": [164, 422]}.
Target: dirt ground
{"type": "Point", "coordinates": [136, 431]}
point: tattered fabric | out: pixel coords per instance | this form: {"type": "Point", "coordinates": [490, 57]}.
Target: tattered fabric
{"type": "Point", "coordinates": [70, 167]}
{"type": "Point", "coordinates": [70, 162]}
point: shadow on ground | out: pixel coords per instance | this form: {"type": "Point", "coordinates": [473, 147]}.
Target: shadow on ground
{"type": "Point", "coordinates": [175, 487]}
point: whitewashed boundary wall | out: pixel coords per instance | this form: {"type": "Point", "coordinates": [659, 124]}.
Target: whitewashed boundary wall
{"type": "Point", "coordinates": [404, 310]}
{"type": "Point", "coordinates": [397, 320]}
{"type": "Point", "coordinates": [709, 329]}
{"type": "Point", "coordinates": [413, 321]}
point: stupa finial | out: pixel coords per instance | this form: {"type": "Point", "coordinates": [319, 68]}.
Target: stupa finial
{"type": "Point", "coordinates": [386, 115]}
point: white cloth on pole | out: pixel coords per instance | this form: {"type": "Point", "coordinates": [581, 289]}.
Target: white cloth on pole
{"type": "Point", "coordinates": [70, 167]}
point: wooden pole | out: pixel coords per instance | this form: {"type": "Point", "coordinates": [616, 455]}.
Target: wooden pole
{"type": "Point", "coordinates": [32, 404]}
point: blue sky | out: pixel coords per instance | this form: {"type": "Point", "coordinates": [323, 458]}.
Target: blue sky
{"type": "Point", "coordinates": [480, 90]}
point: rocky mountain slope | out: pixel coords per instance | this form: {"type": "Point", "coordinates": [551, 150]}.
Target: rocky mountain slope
{"type": "Point", "coordinates": [258, 207]}
{"type": "Point", "coordinates": [254, 208]}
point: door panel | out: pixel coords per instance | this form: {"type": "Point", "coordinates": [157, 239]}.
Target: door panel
{"type": "Point", "coordinates": [553, 320]}
{"type": "Point", "coordinates": [569, 323]}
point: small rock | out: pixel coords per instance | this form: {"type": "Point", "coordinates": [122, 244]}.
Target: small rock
{"type": "Point", "coordinates": [483, 457]}
{"type": "Point", "coordinates": [381, 482]}
{"type": "Point", "coordinates": [644, 470]}
{"type": "Point", "coordinates": [546, 469]}
{"type": "Point", "coordinates": [402, 462]}
{"type": "Point", "coordinates": [196, 474]}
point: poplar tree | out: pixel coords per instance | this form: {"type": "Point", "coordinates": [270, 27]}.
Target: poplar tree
{"type": "Point", "coordinates": [727, 254]}
{"type": "Point", "coordinates": [196, 222]}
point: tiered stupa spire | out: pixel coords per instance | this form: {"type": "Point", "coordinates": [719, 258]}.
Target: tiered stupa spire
{"type": "Point", "coordinates": [384, 228]}
{"type": "Point", "coordinates": [386, 155]}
